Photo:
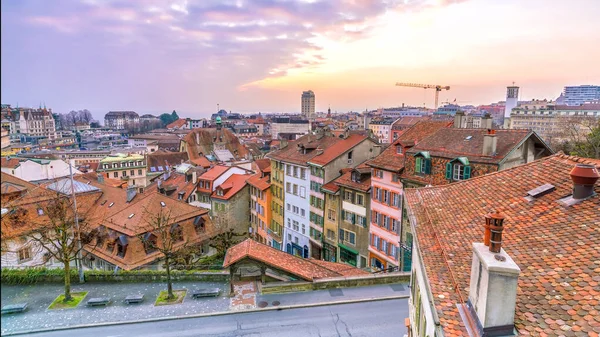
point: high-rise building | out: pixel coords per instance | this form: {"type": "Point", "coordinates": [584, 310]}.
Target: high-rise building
{"type": "Point", "coordinates": [512, 100]}
{"type": "Point", "coordinates": [308, 104]}
{"type": "Point", "coordinates": [577, 95]}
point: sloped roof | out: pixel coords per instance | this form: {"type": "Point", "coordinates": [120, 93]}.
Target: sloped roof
{"type": "Point", "coordinates": [201, 161]}
{"type": "Point", "coordinates": [306, 269]}
{"type": "Point", "coordinates": [9, 162]}
{"type": "Point", "coordinates": [453, 142]}
{"type": "Point", "coordinates": [389, 159]}
{"type": "Point", "coordinates": [264, 165]}
{"type": "Point", "coordinates": [346, 180]}
{"type": "Point", "coordinates": [258, 182]}
{"type": "Point", "coordinates": [555, 246]}
{"type": "Point", "coordinates": [215, 172]}
{"type": "Point", "coordinates": [422, 129]}
{"type": "Point", "coordinates": [339, 148]}
{"type": "Point", "coordinates": [207, 137]}
{"type": "Point", "coordinates": [64, 186]}
{"type": "Point", "coordinates": [331, 187]}
{"type": "Point", "coordinates": [231, 186]}
{"type": "Point", "coordinates": [177, 124]}
{"type": "Point", "coordinates": [293, 154]}
{"type": "Point", "coordinates": [164, 158]}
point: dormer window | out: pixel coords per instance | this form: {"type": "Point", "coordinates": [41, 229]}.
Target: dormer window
{"type": "Point", "coordinates": [422, 163]}
{"type": "Point", "coordinates": [220, 192]}
{"type": "Point", "coordinates": [398, 149]}
{"type": "Point", "coordinates": [458, 169]}
{"type": "Point", "coordinates": [356, 177]}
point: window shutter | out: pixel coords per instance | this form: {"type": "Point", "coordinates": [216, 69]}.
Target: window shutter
{"type": "Point", "coordinates": [418, 164]}
{"type": "Point", "coordinates": [448, 171]}
{"type": "Point", "coordinates": [353, 218]}
{"type": "Point", "coordinates": [467, 173]}
{"type": "Point", "coordinates": [364, 222]}
{"type": "Point", "coordinates": [427, 166]}
{"type": "Point", "coordinates": [343, 214]}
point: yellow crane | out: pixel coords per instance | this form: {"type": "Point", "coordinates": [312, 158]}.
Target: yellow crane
{"type": "Point", "coordinates": [437, 88]}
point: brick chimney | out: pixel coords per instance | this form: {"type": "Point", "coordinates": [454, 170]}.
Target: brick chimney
{"type": "Point", "coordinates": [584, 178]}
{"type": "Point", "coordinates": [493, 286]}
{"type": "Point", "coordinates": [490, 143]}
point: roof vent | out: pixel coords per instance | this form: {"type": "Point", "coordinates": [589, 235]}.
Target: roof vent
{"type": "Point", "coordinates": [584, 177]}
{"type": "Point", "coordinates": [540, 191]}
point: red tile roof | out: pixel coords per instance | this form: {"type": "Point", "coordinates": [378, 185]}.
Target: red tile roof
{"type": "Point", "coordinates": [260, 183]}
{"type": "Point", "coordinates": [214, 172]}
{"type": "Point", "coordinates": [164, 158]}
{"type": "Point", "coordinates": [201, 161]}
{"type": "Point", "coordinates": [9, 163]}
{"type": "Point", "coordinates": [332, 152]}
{"type": "Point", "coordinates": [177, 124]}
{"type": "Point", "coordinates": [555, 246]}
{"type": "Point", "coordinates": [231, 186]}
{"type": "Point", "coordinates": [331, 187]}
{"type": "Point", "coordinates": [203, 141]}
{"type": "Point", "coordinates": [306, 269]}
{"type": "Point", "coordinates": [389, 159]}
{"type": "Point", "coordinates": [264, 165]}
{"type": "Point", "coordinates": [454, 142]}
{"type": "Point", "coordinates": [293, 153]}
{"type": "Point", "coordinates": [346, 180]}
{"type": "Point", "coordinates": [422, 129]}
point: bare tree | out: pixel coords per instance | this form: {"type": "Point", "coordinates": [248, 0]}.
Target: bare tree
{"type": "Point", "coordinates": [223, 241]}
{"type": "Point", "coordinates": [166, 237]}
{"type": "Point", "coordinates": [578, 136]}
{"type": "Point", "coordinates": [51, 229]}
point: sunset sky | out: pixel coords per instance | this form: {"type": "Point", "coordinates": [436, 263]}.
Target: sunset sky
{"type": "Point", "coordinates": [153, 56]}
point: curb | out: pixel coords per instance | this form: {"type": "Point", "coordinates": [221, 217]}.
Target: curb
{"type": "Point", "coordinates": [218, 313]}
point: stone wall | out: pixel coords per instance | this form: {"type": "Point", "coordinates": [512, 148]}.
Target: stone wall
{"type": "Point", "coordinates": [337, 282]}
{"type": "Point", "coordinates": [438, 171]}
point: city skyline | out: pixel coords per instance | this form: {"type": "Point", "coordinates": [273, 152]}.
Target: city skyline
{"type": "Point", "coordinates": [153, 56]}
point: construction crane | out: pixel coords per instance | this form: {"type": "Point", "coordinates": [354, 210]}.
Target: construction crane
{"type": "Point", "coordinates": [437, 88]}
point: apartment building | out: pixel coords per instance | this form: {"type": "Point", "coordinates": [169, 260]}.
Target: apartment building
{"type": "Point", "coordinates": [275, 230]}
{"type": "Point", "coordinates": [120, 120]}
{"type": "Point", "coordinates": [127, 167]}
{"type": "Point", "coordinates": [260, 206]}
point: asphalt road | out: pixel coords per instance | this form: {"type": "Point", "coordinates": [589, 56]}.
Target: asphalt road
{"type": "Point", "coordinates": [378, 318]}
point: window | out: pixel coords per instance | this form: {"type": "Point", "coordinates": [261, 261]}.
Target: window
{"type": "Point", "coordinates": [303, 173]}
{"type": "Point", "coordinates": [302, 212]}
{"type": "Point", "coordinates": [288, 187]}
{"type": "Point", "coordinates": [350, 155]}
{"type": "Point", "coordinates": [116, 174]}
{"type": "Point", "coordinates": [347, 236]}
{"type": "Point", "coordinates": [295, 189]}
{"type": "Point", "coordinates": [330, 234]}
{"type": "Point", "coordinates": [288, 170]}
{"type": "Point", "coordinates": [395, 177]}
{"type": "Point", "coordinates": [303, 228]}
{"type": "Point", "coordinates": [302, 192]}
{"type": "Point", "coordinates": [24, 254]}
{"type": "Point", "coordinates": [124, 174]}
{"type": "Point", "coordinates": [295, 171]}
{"type": "Point", "coordinates": [422, 164]}
{"type": "Point", "coordinates": [378, 173]}
{"type": "Point", "coordinates": [348, 196]}
{"type": "Point", "coordinates": [383, 246]}
{"type": "Point", "coordinates": [139, 172]}
{"type": "Point", "coordinates": [295, 225]}
{"type": "Point", "coordinates": [132, 172]}
{"type": "Point", "coordinates": [289, 207]}
{"type": "Point", "coordinates": [331, 215]}
{"type": "Point", "coordinates": [458, 169]}
{"type": "Point", "coordinates": [40, 211]}
{"type": "Point", "coordinates": [398, 149]}
{"type": "Point", "coordinates": [360, 199]}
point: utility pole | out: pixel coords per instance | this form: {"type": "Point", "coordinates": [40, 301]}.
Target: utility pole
{"type": "Point", "coordinates": [78, 235]}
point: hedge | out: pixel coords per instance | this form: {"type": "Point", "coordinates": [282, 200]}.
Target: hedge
{"type": "Point", "coordinates": [42, 275]}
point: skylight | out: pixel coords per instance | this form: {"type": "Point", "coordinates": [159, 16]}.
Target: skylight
{"type": "Point", "coordinates": [131, 215]}
{"type": "Point", "coordinates": [102, 203]}
{"type": "Point", "coordinates": [468, 137]}
{"type": "Point", "coordinates": [162, 204]}
{"type": "Point", "coordinates": [111, 204]}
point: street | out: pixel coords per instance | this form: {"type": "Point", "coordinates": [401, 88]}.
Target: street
{"type": "Point", "coordinates": [376, 318]}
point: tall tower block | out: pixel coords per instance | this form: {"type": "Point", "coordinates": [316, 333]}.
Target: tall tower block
{"type": "Point", "coordinates": [308, 104]}
{"type": "Point", "coordinates": [512, 100]}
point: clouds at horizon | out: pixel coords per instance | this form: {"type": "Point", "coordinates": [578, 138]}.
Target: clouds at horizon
{"type": "Point", "coordinates": [153, 55]}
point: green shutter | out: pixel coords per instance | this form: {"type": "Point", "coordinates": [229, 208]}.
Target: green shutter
{"type": "Point", "coordinates": [418, 164]}
{"type": "Point", "coordinates": [427, 166]}
{"type": "Point", "coordinates": [448, 171]}
{"type": "Point", "coordinates": [364, 221]}
{"type": "Point", "coordinates": [343, 215]}
{"type": "Point", "coordinates": [353, 218]}
{"type": "Point", "coordinates": [467, 173]}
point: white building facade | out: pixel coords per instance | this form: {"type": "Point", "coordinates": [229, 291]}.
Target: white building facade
{"type": "Point", "coordinates": [296, 213]}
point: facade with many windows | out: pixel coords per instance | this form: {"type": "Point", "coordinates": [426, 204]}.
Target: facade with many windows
{"type": "Point", "coordinates": [275, 231]}
{"type": "Point", "coordinates": [260, 207]}
{"type": "Point", "coordinates": [127, 167]}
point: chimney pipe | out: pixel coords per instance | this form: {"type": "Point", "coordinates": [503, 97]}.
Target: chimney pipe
{"type": "Point", "coordinates": [584, 178]}
{"type": "Point", "coordinates": [496, 228]}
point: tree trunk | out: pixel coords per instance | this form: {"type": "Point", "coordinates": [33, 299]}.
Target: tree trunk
{"type": "Point", "coordinates": [67, 281]}
{"type": "Point", "coordinates": [170, 295]}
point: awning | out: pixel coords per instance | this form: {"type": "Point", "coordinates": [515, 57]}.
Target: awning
{"type": "Point", "coordinates": [463, 160]}
{"type": "Point", "coordinates": [425, 154]}
{"type": "Point", "coordinates": [348, 248]}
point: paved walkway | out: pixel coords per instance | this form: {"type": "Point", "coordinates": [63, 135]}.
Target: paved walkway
{"type": "Point", "coordinates": [39, 298]}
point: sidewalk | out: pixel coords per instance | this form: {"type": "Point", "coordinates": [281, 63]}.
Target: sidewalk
{"type": "Point", "coordinates": [38, 317]}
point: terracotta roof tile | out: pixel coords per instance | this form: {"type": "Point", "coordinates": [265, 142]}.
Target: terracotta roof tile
{"type": "Point", "coordinates": [346, 180]}
{"type": "Point", "coordinates": [293, 154]}
{"type": "Point", "coordinates": [164, 158]}
{"type": "Point", "coordinates": [231, 186]}
{"type": "Point", "coordinates": [201, 161]}
{"type": "Point", "coordinates": [422, 129]}
{"type": "Point", "coordinates": [555, 246]}
{"type": "Point", "coordinates": [389, 159]}
{"type": "Point", "coordinates": [214, 172]}
{"type": "Point", "coordinates": [177, 124]}
{"type": "Point", "coordinates": [260, 183]}
{"type": "Point", "coordinates": [9, 163]}
{"type": "Point", "coordinates": [339, 148]}
{"type": "Point", "coordinates": [454, 142]}
{"type": "Point", "coordinates": [307, 269]}
{"type": "Point", "coordinates": [331, 187]}
{"type": "Point", "coordinates": [203, 141]}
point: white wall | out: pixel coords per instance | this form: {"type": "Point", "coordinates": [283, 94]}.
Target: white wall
{"type": "Point", "coordinates": [9, 259]}
{"type": "Point", "coordinates": [303, 203]}
{"type": "Point", "coordinates": [32, 171]}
